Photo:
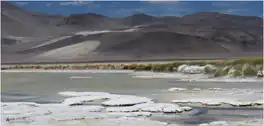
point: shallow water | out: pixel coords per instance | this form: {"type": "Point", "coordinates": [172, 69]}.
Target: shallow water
{"type": "Point", "coordinates": [43, 87]}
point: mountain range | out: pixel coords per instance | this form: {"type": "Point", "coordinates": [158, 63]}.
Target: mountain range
{"type": "Point", "coordinates": [38, 37]}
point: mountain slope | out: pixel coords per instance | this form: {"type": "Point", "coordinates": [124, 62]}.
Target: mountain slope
{"type": "Point", "coordinates": [31, 36]}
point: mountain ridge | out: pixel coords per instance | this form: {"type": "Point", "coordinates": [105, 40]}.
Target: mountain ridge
{"type": "Point", "coordinates": [33, 36]}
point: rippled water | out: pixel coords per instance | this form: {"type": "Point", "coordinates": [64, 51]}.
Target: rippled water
{"type": "Point", "coordinates": [43, 87]}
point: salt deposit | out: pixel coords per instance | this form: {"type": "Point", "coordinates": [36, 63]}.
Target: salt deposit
{"type": "Point", "coordinates": [217, 101]}
{"type": "Point", "coordinates": [222, 123]}
{"type": "Point", "coordinates": [177, 89]}
{"type": "Point", "coordinates": [220, 79]}
{"type": "Point", "coordinates": [186, 108]}
{"type": "Point", "coordinates": [79, 77]}
{"type": "Point", "coordinates": [195, 69]}
{"type": "Point", "coordinates": [66, 115]}
{"type": "Point", "coordinates": [160, 107]}
{"type": "Point", "coordinates": [117, 109]}
{"type": "Point", "coordinates": [127, 114]}
{"type": "Point", "coordinates": [197, 89]}
{"type": "Point", "coordinates": [181, 67]}
{"type": "Point", "coordinates": [193, 77]}
{"type": "Point", "coordinates": [231, 79]}
{"type": "Point", "coordinates": [133, 103]}
{"type": "Point", "coordinates": [239, 103]}
{"type": "Point", "coordinates": [127, 106]}
{"type": "Point", "coordinates": [3, 104]}
{"type": "Point", "coordinates": [125, 100]}
{"type": "Point", "coordinates": [122, 109]}
{"type": "Point", "coordinates": [254, 122]}
{"type": "Point", "coordinates": [89, 108]}
{"type": "Point", "coordinates": [201, 100]}
{"type": "Point", "coordinates": [65, 71]}
{"type": "Point", "coordinates": [150, 107]}
{"type": "Point", "coordinates": [260, 74]}
{"type": "Point", "coordinates": [216, 89]}
{"type": "Point", "coordinates": [74, 93]}
{"type": "Point", "coordinates": [127, 121]}
{"type": "Point", "coordinates": [259, 102]}
{"type": "Point", "coordinates": [151, 75]}
{"type": "Point", "coordinates": [215, 123]}
{"type": "Point", "coordinates": [176, 75]}
{"type": "Point", "coordinates": [82, 100]}
{"type": "Point", "coordinates": [204, 124]}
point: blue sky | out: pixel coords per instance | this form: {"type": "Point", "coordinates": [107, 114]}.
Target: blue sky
{"type": "Point", "coordinates": [155, 8]}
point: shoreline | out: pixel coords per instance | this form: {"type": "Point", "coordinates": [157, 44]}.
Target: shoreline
{"type": "Point", "coordinates": [217, 62]}
{"type": "Point", "coordinates": [139, 61]}
{"type": "Point", "coordinates": [238, 67]}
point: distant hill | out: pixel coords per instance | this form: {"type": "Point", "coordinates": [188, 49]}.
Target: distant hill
{"type": "Point", "coordinates": [31, 36]}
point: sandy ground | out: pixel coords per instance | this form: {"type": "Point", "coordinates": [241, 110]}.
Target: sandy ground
{"type": "Point", "coordinates": [51, 41]}
{"type": "Point", "coordinates": [76, 50]}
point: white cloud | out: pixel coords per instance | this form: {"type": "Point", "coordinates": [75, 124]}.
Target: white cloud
{"type": "Point", "coordinates": [227, 3]}
{"type": "Point", "coordinates": [221, 4]}
{"type": "Point", "coordinates": [48, 4]}
{"type": "Point", "coordinates": [21, 3]}
{"type": "Point", "coordinates": [231, 7]}
{"type": "Point", "coordinates": [234, 11]}
{"type": "Point", "coordinates": [163, 2]}
{"type": "Point", "coordinates": [76, 2]}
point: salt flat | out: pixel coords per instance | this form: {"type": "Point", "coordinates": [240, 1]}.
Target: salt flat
{"type": "Point", "coordinates": [149, 100]}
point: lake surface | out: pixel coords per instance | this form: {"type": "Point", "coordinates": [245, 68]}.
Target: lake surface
{"type": "Point", "coordinates": [43, 88]}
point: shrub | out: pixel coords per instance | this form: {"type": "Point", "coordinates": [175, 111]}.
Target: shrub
{"type": "Point", "coordinates": [222, 71]}
{"type": "Point", "coordinates": [125, 67]}
{"type": "Point", "coordinates": [233, 72]}
{"type": "Point", "coordinates": [210, 69]}
{"type": "Point", "coordinates": [199, 63]}
{"type": "Point", "coordinates": [249, 70]}
{"type": "Point", "coordinates": [177, 64]}
{"type": "Point", "coordinates": [159, 67]}
{"type": "Point", "coordinates": [4, 68]}
{"type": "Point", "coordinates": [132, 66]}
{"type": "Point", "coordinates": [140, 67]}
{"type": "Point", "coordinates": [252, 61]}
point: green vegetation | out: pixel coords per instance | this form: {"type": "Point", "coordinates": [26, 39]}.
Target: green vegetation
{"type": "Point", "coordinates": [210, 69]}
{"type": "Point", "coordinates": [240, 67]}
{"type": "Point", "coordinates": [222, 71]}
{"type": "Point", "coordinates": [249, 70]}
{"type": "Point", "coordinates": [233, 72]}
{"type": "Point", "coordinates": [252, 61]}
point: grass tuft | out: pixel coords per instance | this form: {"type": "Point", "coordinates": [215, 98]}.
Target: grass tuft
{"type": "Point", "coordinates": [245, 67]}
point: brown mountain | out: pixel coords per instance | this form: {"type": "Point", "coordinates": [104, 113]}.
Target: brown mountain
{"type": "Point", "coordinates": [31, 36]}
